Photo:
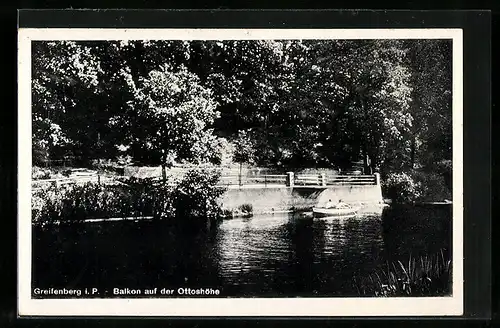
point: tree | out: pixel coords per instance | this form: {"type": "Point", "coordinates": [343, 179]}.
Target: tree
{"type": "Point", "coordinates": [170, 117]}
{"type": "Point", "coordinates": [340, 101]}
{"type": "Point", "coordinates": [64, 76]}
{"type": "Point", "coordinates": [430, 63]}
{"type": "Point", "coordinates": [244, 150]}
{"type": "Point", "coordinates": [77, 88]}
{"type": "Point", "coordinates": [301, 103]}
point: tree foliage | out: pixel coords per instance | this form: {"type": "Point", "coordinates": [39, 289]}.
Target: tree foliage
{"type": "Point", "coordinates": [430, 62]}
{"type": "Point", "coordinates": [173, 113]}
{"type": "Point", "coordinates": [300, 103]}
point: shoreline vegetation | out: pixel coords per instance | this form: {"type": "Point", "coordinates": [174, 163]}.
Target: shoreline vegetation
{"type": "Point", "coordinates": [418, 276]}
{"type": "Point", "coordinates": [195, 197]}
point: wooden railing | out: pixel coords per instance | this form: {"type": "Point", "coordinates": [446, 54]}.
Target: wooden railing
{"type": "Point", "coordinates": [233, 180]}
{"type": "Point", "coordinates": [37, 184]}
{"type": "Point", "coordinates": [304, 180]}
{"type": "Point", "coordinates": [262, 179]}
{"type": "Point", "coordinates": [307, 180]}
{"type": "Point", "coordinates": [333, 180]}
{"type": "Point", "coordinates": [351, 180]}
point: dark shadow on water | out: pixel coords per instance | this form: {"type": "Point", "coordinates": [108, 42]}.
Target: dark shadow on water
{"type": "Point", "coordinates": [124, 255]}
{"type": "Point", "coordinates": [277, 255]}
{"type": "Point", "coordinates": [417, 230]}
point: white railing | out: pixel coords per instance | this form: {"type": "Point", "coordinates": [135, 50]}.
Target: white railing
{"type": "Point", "coordinates": [37, 184]}
{"type": "Point", "coordinates": [351, 180]}
{"type": "Point", "coordinates": [263, 180]}
{"type": "Point", "coordinates": [332, 180]}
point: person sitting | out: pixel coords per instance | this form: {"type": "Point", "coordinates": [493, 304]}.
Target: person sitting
{"type": "Point", "coordinates": [341, 204]}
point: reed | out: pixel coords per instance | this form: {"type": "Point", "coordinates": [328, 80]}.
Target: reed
{"type": "Point", "coordinates": [422, 276]}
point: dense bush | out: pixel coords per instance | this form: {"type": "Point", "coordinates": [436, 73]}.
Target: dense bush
{"type": "Point", "coordinates": [151, 198]}
{"type": "Point", "coordinates": [401, 188]}
{"type": "Point", "coordinates": [195, 196]}
{"type": "Point", "coordinates": [246, 209]}
{"type": "Point", "coordinates": [42, 173]}
{"type": "Point", "coordinates": [416, 186]}
{"type": "Point", "coordinates": [433, 187]}
{"type": "Point", "coordinates": [88, 201]}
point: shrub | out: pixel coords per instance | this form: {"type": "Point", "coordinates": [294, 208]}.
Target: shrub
{"type": "Point", "coordinates": [432, 187]}
{"type": "Point", "coordinates": [40, 173]}
{"type": "Point", "coordinates": [246, 208]}
{"type": "Point", "coordinates": [227, 214]}
{"type": "Point", "coordinates": [416, 186]}
{"type": "Point", "coordinates": [401, 188]}
{"type": "Point", "coordinates": [162, 197]}
{"type": "Point", "coordinates": [197, 195]}
{"type": "Point", "coordinates": [91, 200]}
{"type": "Point", "coordinates": [151, 197]}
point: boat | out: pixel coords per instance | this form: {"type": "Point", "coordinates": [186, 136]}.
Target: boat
{"type": "Point", "coordinates": [321, 212]}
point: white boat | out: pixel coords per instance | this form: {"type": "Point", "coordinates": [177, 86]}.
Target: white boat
{"type": "Point", "coordinates": [320, 212]}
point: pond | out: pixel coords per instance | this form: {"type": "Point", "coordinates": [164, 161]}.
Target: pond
{"type": "Point", "coordinates": [280, 255]}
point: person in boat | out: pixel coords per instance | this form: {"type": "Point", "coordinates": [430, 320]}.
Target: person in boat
{"type": "Point", "coordinates": [341, 204]}
{"type": "Point", "coordinates": [329, 204]}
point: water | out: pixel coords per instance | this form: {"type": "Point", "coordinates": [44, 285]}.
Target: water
{"type": "Point", "coordinates": [264, 256]}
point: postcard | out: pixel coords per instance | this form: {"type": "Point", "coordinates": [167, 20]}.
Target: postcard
{"type": "Point", "coordinates": [240, 172]}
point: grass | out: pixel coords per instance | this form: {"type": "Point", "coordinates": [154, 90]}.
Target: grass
{"type": "Point", "coordinates": [422, 276]}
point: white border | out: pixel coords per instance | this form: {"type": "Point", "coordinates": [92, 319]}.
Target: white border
{"type": "Point", "coordinates": [289, 307]}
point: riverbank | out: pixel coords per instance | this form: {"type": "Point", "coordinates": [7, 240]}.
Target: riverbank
{"type": "Point", "coordinates": [281, 199]}
{"type": "Point", "coordinates": [193, 197]}
{"type": "Point", "coordinates": [197, 194]}
{"type": "Point", "coordinates": [304, 213]}
{"type": "Point", "coordinates": [263, 256]}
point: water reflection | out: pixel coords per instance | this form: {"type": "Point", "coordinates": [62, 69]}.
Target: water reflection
{"type": "Point", "coordinates": [310, 256]}
{"type": "Point", "coordinates": [264, 256]}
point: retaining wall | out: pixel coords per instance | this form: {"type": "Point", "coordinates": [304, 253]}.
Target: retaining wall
{"type": "Point", "coordinates": [286, 198]}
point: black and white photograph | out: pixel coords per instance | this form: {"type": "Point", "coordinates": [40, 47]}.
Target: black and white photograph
{"type": "Point", "coordinates": [240, 172]}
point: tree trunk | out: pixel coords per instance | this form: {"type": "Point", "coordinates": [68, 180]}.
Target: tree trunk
{"type": "Point", "coordinates": [365, 161]}
{"type": "Point", "coordinates": [239, 176]}
{"type": "Point", "coordinates": [367, 164]}
{"type": "Point", "coordinates": [163, 172]}
{"type": "Point", "coordinates": [163, 166]}
{"type": "Point", "coordinates": [412, 152]}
